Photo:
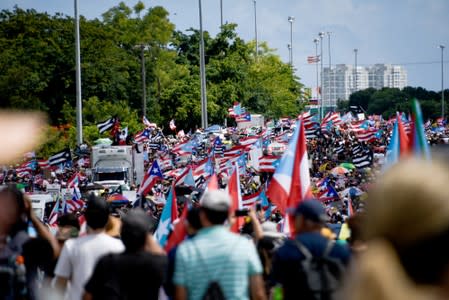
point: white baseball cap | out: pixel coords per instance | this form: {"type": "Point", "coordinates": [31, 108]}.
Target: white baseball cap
{"type": "Point", "coordinates": [216, 200]}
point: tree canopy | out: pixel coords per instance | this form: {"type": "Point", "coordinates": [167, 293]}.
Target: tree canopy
{"type": "Point", "coordinates": [37, 68]}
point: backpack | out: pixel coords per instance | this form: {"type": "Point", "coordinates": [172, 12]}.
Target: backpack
{"type": "Point", "coordinates": [214, 292]}
{"type": "Point", "coordinates": [322, 273]}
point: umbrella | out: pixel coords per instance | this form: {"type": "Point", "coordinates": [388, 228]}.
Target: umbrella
{"type": "Point", "coordinates": [339, 171]}
{"type": "Point", "coordinates": [103, 141]}
{"type": "Point", "coordinates": [117, 199]}
{"type": "Point", "coordinates": [348, 166]}
{"type": "Point", "coordinates": [352, 191]}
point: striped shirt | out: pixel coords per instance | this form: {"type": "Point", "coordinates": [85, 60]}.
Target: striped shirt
{"type": "Point", "coordinates": [215, 254]}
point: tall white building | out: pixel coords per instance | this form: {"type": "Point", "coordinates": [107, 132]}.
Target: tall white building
{"type": "Point", "coordinates": [342, 80]}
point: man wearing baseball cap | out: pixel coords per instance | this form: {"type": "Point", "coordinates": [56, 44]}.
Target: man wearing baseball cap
{"type": "Point", "coordinates": [215, 256]}
{"type": "Point", "coordinates": [297, 262]}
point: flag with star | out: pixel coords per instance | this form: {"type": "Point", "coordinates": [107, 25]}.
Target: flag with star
{"type": "Point", "coordinates": [168, 217]}
{"type": "Point", "coordinates": [151, 177]}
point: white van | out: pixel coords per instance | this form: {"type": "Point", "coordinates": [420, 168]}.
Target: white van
{"type": "Point", "coordinates": [38, 202]}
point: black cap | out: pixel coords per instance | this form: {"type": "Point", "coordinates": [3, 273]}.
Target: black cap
{"type": "Point", "coordinates": [137, 220]}
{"type": "Point", "coordinates": [311, 210]}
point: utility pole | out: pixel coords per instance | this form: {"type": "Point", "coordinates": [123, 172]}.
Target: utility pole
{"type": "Point", "coordinates": [79, 104]}
{"type": "Point", "coordinates": [442, 81]}
{"type": "Point", "coordinates": [202, 72]}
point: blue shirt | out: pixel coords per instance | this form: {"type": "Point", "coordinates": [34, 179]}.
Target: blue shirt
{"type": "Point", "coordinates": [215, 254]}
{"type": "Point", "coordinates": [287, 261]}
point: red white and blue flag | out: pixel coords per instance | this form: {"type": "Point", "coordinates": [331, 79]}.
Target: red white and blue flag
{"type": "Point", "coordinates": [150, 179]}
{"type": "Point", "coordinates": [291, 181]}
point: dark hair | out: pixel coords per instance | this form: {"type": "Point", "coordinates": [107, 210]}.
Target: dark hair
{"type": "Point", "coordinates": [216, 217]}
{"type": "Point", "coordinates": [69, 220]}
{"type": "Point", "coordinates": [193, 217]}
{"type": "Point", "coordinates": [136, 226]}
{"type": "Point", "coordinates": [355, 225]}
{"type": "Point", "coordinates": [426, 261]}
{"type": "Point", "coordinates": [97, 212]}
{"type": "Point", "coordinates": [12, 191]}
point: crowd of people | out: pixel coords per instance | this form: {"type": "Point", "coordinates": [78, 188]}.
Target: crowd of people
{"type": "Point", "coordinates": [323, 248]}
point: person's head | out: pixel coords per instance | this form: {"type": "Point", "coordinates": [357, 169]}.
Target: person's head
{"type": "Point", "coordinates": [97, 212]}
{"type": "Point", "coordinates": [193, 222]}
{"type": "Point", "coordinates": [409, 209]}
{"type": "Point", "coordinates": [69, 220]}
{"type": "Point", "coordinates": [214, 208]}
{"type": "Point", "coordinates": [310, 216]}
{"type": "Point", "coordinates": [13, 210]}
{"type": "Point", "coordinates": [136, 226]}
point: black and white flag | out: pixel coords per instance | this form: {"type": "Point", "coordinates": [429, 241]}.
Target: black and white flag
{"type": "Point", "coordinates": [106, 125]}
{"type": "Point", "coordinates": [363, 160]}
{"type": "Point", "coordinates": [60, 157]}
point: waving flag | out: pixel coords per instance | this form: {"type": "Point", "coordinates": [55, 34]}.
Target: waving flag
{"type": "Point", "coordinates": [326, 191]}
{"type": "Point", "coordinates": [250, 200]}
{"type": "Point", "coordinates": [399, 144]}
{"type": "Point", "coordinates": [172, 125]}
{"type": "Point", "coordinates": [150, 179]}
{"type": "Point", "coordinates": [106, 125]}
{"type": "Point", "coordinates": [168, 217]}
{"type": "Point", "coordinates": [291, 181]}
{"type": "Point", "coordinates": [179, 232]}
{"type": "Point", "coordinates": [74, 181]}
{"type": "Point", "coordinates": [234, 192]}
{"type": "Point", "coordinates": [142, 136]}
{"type": "Point", "coordinates": [53, 218]}
{"type": "Point", "coordinates": [147, 123]}
{"type": "Point", "coordinates": [418, 141]}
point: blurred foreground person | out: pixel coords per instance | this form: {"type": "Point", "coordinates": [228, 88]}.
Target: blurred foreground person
{"type": "Point", "coordinates": [21, 254]}
{"type": "Point", "coordinates": [407, 227]}
{"type": "Point", "coordinates": [217, 264]}
{"type": "Point", "coordinates": [79, 256]}
{"type": "Point", "coordinates": [310, 266]}
{"type": "Point", "coordinates": [136, 273]}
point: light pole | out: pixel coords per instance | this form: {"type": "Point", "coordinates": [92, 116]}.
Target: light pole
{"type": "Point", "coordinates": [202, 72]}
{"type": "Point", "coordinates": [221, 13]}
{"type": "Point", "coordinates": [355, 69]}
{"type": "Point", "coordinates": [316, 41]}
{"type": "Point", "coordinates": [442, 82]}
{"type": "Point", "coordinates": [330, 66]}
{"type": "Point", "coordinates": [291, 19]}
{"type": "Point", "coordinates": [144, 80]}
{"type": "Point", "coordinates": [79, 104]}
{"type": "Point", "coordinates": [321, 35]}
{"type": "Point", "coordinates": [255, 27]}
{"type": "Point", "coordinates": [289, 46]}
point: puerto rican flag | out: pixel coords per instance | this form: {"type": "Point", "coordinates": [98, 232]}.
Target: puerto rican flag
{"type": "Point", "coordinates": [43, 163]}
{"type": "Point", "coordinates": [142, 136]}
{"type": "Point", "coordinates": [147, 123]}
{"type": "Point", "coordinates": [74, 180]}
{"type": "Point", "coordinates": [251, 200]}
{"type": "Point", "coordinates": [291, 181]}
{"type": "Point", "coordinates": [248, 140]}
{"type": "Point", "coordinates": [246, 117]}
{"type": "Point", "coordinates": [268, 163]}
{"type": "Point", "coordinates": [151, 177]}
{"type": "Point", "coordinates": [234, 192]}
{"type": "Point", "coordinates": [204, 168]}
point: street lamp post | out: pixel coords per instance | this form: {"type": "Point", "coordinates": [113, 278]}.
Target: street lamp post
{"type": "Point", "coordinates": [79, 104]}
{"type": "Point", "coordinates": [144, 81]}
{"type": "Point", "coordinates": [442, 81]}
{"type": "Point", "coordinates": [221, 13]}
{"type": "Point", "coordinates": [355, 69]}
{"type": "Point", "coordinates": [330, 66]}
{"type": "Point", "coordinates": [291, 19]}
{"type": "Point", "coordinates": [316, 41]}
{"type": "Point", "coordinates": [202, 72]}
{"type": "Point", "coordinates": [255, 27]}
{"type": "Point", "coordinates": [289, 46]}
{"type": "Point", "coordinates": [321, 35]}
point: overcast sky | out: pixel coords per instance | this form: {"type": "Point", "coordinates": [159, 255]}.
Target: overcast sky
{"type": "Point", "coordinates": [406, 32]}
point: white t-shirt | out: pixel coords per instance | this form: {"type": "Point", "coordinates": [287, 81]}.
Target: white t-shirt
{"type": "Point", "coordinates": [79, 257]}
